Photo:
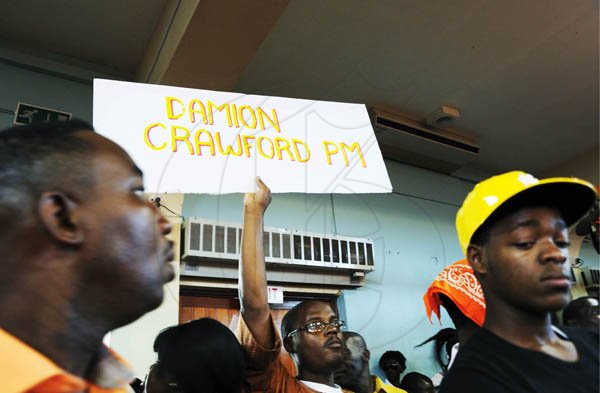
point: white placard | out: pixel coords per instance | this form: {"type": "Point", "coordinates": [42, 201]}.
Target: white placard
{"type": "Point", "coordinates": [201, 141]}
{"type": "Point", "coordinates": [275, 295]}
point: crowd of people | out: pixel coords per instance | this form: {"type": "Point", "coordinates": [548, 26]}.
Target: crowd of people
{"type": "Point", "coordinates": [81, 237]}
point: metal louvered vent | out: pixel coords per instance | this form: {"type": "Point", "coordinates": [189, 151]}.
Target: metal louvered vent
{"type": "Point", "coordinates": [587, 278]}
{"type": "Point", "coordinates": [211, 240]}
{"type": "Point", "coordinates": [594, 276]}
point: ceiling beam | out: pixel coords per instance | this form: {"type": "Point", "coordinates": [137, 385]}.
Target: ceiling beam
{"type": "Point", "coordinates": [163, 44]}
{"type": "Point", "coordinates": [220, 41]}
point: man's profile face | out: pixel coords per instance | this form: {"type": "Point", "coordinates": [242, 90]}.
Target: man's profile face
{"type": "Point", "coordinates": [392, 369]}
{"type": "Point", "coordinates": [526, 260]}
{"type": "Point", "coordinates": [127, 253]}
{"type": "Point", "coordinates": [587, 314]}
{"type": "Point", "coordinates": [160, 381]}
{"type": "Point", "coordinates": [350, 371]}
{"type": "Point", "coordinates": [323, 350]}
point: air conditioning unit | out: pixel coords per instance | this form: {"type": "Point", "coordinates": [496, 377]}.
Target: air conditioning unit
{"type": "Point", "coordinates": [297, 255]}
{"type": "Point", "coordinates": [408, 141]}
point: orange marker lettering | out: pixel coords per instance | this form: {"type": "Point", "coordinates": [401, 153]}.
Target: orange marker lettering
{"type": "Point", "coordinates": [147, 137]}
{"type": "Point", "coordinates": [171, 110]}
{"type": "Point", "coordinates": [201, 110]}
{"type": "Point", "coordinates": [297, 142]}
{"type": "Point", "coordinates": [262, 115]}
{"type": "Point", "coordinates": [328, 151]}
{"type": "Point", "coordinates": [247, 145]}
{"type": "Point", "coordinates": [180, 138]}
{"type": "Point", "coordinates": [210, 142]}
{"type": "Point", "coordinates": [285, 147]}
{"type": "Point", "coordinates": [212, 106]}
{"type": "Point", "coordinates": [260, 149]}
{"type": "Point", "coordinates": [229, 148]}
{"type": "Point", "coordinates": [252, 124]}
{"type": "Point", "coordinates": [354, 147]}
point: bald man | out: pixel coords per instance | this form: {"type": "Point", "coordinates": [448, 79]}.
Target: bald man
{"type": "Point", "coordinates": [354, 373]}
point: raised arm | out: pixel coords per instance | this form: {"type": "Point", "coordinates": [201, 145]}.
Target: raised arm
{"type": "Point", "coordinates": [253, 279]}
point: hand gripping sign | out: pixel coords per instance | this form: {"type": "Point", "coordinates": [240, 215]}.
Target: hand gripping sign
{"type": "Point", "coordinates": [201, 141]}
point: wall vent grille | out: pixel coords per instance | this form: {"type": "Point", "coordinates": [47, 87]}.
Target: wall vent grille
{"type": "Point", "coordinates": [206, 239]}
{"type": "Point", "coordinates": [594, 275]}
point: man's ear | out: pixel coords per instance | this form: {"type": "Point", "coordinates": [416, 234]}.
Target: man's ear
{"type": "Point", "coordinates": [60, 216]}
{"type": "Point", "coordinates": [475, 256]}
{"type": "Point", "coordinates": [365, 356]}
{"type": "Point", "coordinates": [288, 344]}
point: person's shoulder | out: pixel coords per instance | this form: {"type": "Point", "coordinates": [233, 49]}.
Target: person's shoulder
{"type": "Point", "coordinates": [380, 386]}
{"type": "Point", "coordinates": [392, 389]}
{"type": "Point", "coordinates": [469, 380]}
{"type": "Point", "coordinates": [476, 349]}
{"type": "Point", "coordinates": [470, 372]}
{"type": "Point", "coordinates": [583, 334]}
{"type": "Point", "coordinates": [586, 341]}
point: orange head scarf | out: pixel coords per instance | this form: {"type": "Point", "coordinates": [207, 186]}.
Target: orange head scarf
{"type": "Point", "coordinates": [458, 282]}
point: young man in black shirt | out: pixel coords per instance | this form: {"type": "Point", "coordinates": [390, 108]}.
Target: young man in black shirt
{"type": "Point", "coordinates": [513, 229]}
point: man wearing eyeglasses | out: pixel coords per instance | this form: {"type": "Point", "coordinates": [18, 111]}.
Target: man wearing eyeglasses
{"type": "Point", "coordinates": [310, 330]}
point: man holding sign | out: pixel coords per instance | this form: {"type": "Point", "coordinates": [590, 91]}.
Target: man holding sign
{"type": "Point", "coordinates": [310, 331]}
{"type": "Point", "coordinates": [82, 252]}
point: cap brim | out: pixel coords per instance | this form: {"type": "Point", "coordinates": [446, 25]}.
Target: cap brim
{"type": "Point", "coordinates": [572, 197]}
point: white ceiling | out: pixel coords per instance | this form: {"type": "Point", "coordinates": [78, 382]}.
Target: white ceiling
{"type": "Point", "coordinates": [523, 73]}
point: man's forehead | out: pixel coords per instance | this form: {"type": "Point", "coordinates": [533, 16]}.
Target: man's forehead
{"type": "Point", "coordinates": [317, 310]}
{"type": "Point", "coordinates": [352, 340]}
{"type": "Point", "coordinates": [529, 216]}
{"type": "Point", "coordinates": [105, 146]}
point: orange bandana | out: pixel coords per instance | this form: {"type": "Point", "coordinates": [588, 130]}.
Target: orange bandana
{"type": "Point", "coordinates": [459, 283]}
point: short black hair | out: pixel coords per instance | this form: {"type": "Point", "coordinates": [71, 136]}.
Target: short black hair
{"type": "Point", "coordinates": [458, 318]}
{"type": "Point", "coordinates": [444, 339]}
{"type": "Point", "coordinates": [348, 335]}
{"type": "Point", "coordinates": [392, 355]}
{"type": "Point", "coordinates": [415, 382]}
{"type": "Point", "coordinates": [289, 321]}
{"type": "Point", "coordinates": [203, 356]}
{"type": "Point", "coordinates": [580, 311]}
{"type": "Point", "coordinates": [42, 157]}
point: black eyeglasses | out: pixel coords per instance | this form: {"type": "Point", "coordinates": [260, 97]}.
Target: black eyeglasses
{"type": "Point", "coordinates": [318, 327]}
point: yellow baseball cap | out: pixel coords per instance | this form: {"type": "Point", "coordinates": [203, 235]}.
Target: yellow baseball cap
{"type": "Point", "coordinates": [571, 196]}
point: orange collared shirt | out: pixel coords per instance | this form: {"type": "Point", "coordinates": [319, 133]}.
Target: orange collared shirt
{"type": "Point", "coordinates": [265, 371]}
{"type": "Point", "coordinates": [24, 370]}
